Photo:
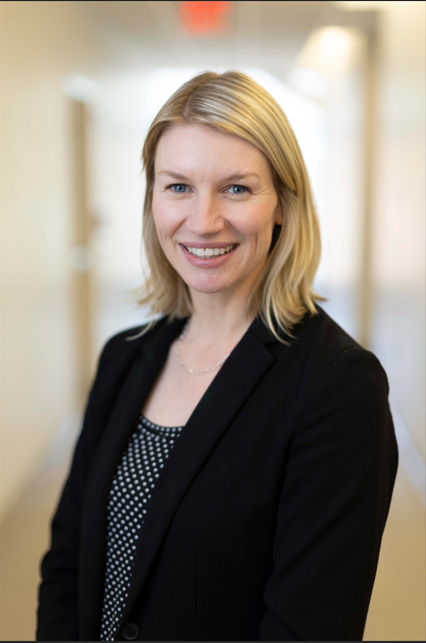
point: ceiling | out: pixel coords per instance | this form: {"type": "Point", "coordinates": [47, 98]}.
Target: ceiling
{"type": "Point", "coordinates": [267, 34]}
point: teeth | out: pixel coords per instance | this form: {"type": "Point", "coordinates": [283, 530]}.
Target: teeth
{"type": "Point", "coordinates": [209, 252]}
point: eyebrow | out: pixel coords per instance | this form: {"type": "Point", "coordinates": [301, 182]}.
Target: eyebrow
{"type": "Point", "coordinates": [233, 177]}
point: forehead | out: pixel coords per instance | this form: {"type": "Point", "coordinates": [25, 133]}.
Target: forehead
{"type": "Point", "coordinates": [194, 147]}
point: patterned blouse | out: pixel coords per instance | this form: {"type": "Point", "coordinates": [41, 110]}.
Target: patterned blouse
{"type": "Point", "coordinates": [148, 448]}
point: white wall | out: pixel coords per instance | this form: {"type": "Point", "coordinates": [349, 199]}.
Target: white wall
{"type": "Point", "coordinates": [41, 43]}
{"type": "Point", "coordinates": [399, 224]}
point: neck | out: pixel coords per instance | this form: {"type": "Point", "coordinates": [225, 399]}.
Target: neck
{"type": "Point", "coordinates": [219, 315]}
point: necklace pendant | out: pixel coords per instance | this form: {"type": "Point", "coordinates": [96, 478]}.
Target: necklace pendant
{"type": "Point", "coordinates": [195, 371]}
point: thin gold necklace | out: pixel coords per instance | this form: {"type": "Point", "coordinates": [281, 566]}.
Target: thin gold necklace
{"type": "Point", "coordinates": [194, 371]}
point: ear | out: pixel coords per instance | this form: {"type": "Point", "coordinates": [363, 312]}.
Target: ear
{"type": "Point", "coordinates": [278, 214]}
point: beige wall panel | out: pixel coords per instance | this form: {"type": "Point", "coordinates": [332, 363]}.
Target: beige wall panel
{"type": "Point", "coordinates": [41, 43]}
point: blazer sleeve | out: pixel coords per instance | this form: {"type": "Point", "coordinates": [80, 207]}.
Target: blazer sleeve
{"type": "Point", "coordinates": [57, 615]}
{"type": "Point", "coordinates": [337, 490]}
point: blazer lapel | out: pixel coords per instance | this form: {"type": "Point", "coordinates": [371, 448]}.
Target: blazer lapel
{"type": "Point", "coordinates": [227, 393]}
{"type": "Point", "coordinates": [133, 392]}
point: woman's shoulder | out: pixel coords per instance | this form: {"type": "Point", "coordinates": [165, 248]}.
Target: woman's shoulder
{"type": "Point", "coordinates": [328, 340]}
{"type": "Point", "coordinates": [129, 341]}
{"type": "Point", "coordinates": [322, 330]}
{"type": "Point", "coordinates": [313, 328]}
{"type": "Point", "coordinates": [341, 354]}
{"type": "Point", "coordinates": [320, 343]}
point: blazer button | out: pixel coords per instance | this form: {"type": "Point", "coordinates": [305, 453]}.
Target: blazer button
{"type": "Point", "coordinates": [130, 631]}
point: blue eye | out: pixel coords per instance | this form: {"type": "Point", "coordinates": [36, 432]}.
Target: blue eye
{"type": "Point", "coordinates": [238, 189]}
{"type": "Point", "coordinates": [178, 187]}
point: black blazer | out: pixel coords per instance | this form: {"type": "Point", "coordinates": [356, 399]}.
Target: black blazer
{"type": "Point", "coordinates": [267, 520]}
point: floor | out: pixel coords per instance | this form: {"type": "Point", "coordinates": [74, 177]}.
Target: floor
{"type": "Point", "coordinates": [397, 609]}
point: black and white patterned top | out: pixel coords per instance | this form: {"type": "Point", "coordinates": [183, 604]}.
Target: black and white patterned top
{"type": "Point", "coordinates": [148, 447]}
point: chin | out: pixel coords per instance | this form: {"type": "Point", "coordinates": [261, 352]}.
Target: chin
{"type": "Point", "coordinates": [207, 284]}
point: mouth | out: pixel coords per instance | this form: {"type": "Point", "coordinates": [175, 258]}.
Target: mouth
{"type": "Point", "coordinates": [210, 252]}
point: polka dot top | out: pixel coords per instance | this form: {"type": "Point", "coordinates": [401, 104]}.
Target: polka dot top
{"type": "Point", "coordinates": [148, 448]}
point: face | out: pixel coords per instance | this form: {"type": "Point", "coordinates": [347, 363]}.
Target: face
{"type": "Point", "coordinates": [214, 207]}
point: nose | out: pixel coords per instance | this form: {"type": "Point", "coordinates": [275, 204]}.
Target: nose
{"type": "Point", "coordinates": [206, 217]}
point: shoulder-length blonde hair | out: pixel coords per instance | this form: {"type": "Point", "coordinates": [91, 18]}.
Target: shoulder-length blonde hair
{"type": "Point", "coordinates": [234, 103]}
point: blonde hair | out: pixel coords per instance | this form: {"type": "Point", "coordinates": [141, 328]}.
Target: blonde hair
{"type": "Point", "coordinates": [234, 103]}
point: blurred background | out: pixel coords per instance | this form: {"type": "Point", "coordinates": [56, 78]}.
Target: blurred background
{"type": "Point", "coordinates": [80, 84]}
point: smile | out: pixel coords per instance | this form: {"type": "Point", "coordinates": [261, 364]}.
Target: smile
{"type": "Point", "coordinates": [207, 258]}
{"type": "Point", "coordinates": [207, 253]}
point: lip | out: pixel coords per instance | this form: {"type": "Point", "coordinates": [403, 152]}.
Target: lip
{"type": "Point", "coordinates": [211, 262]}
{"type": "Point", "coordinates": [198, 244]}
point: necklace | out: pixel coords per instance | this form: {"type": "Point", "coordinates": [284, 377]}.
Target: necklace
{"type": "Point", "coordinates": [195, 371]}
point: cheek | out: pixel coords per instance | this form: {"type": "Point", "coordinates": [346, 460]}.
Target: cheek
{"type": "Point", "coordinates": [163, 217]}
{"type": "Point", "coordinates": [256, 224]}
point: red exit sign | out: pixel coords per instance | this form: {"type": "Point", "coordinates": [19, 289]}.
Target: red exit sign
{"type": "Point", "coordinates": [204, 18]}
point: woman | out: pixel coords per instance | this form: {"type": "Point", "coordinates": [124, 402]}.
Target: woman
{"type": "Point", "coordinates": [236, 464]}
